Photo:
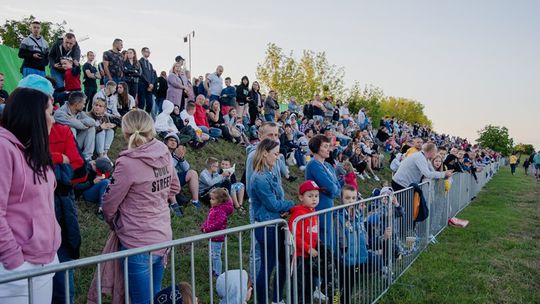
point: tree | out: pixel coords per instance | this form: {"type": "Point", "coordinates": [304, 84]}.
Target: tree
{"type": "Point", "coordinates": [526, 149]}
{"type": "Point", "coordinates": [301, 78]}
{"type": "Point", "coordinates": [405, 109]}
{"type": "Point", "coordinates": [14, 31]}
{"type": "Point", "coordinates": [370, 98]}
{"type": "Point", "coordinates": [496, 138]}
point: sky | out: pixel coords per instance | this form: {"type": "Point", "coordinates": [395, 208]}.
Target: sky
{"type": "Point", "coordinates": [471, 63]}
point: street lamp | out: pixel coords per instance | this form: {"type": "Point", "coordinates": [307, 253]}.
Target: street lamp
{"type": "Point", "coordinates": [187, 39]}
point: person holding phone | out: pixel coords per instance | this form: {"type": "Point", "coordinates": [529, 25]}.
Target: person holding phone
{"type": "Point", "coordinates": [416, 166]}
{"type": "Point", "coordinates": [34, 51]}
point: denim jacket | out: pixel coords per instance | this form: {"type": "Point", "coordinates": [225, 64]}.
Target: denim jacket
{"type": "Point", "coordinates": [267, 196]}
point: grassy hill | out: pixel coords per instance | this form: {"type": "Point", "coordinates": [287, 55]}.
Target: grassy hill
{"type": "Point", "coordinates": [94, 232]}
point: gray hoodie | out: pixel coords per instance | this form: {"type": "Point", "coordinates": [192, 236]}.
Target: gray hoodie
{"type": "Point", "coordinates": [231, 291]}
{"type": "Point", "coordinates": [79, 121]}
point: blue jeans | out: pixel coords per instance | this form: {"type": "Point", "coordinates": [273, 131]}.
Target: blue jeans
{"type": "Point", "coordinates": [269, 258]}
{"type": "Point", "coordinates": [216, 257]}
{"type": "Point", "coordinates": [104, 140]}
{"type": "Point", "coordinates": [269, 117]}
{"type": "Point", "coordinates": [95, 193]}
{"type": "Point", "coordinates": [115, 79]}
{"type": "Point", "coordinates": [213, 97]}
{"type": "Point", "coordinates": [30, 71]}
{"type": "Point", "coordinates": [145, 98]}
{"type": "Point", "coordinates": [58, 77]}
{"type": "Point", "coordinates": [159, 105]}
{"type": "Point", "coordinates": [139, 276]}
{"type": "Point", "coordinates": [299, 157]}
{"type": "Point", "coordinates": [254, 256]}
{"type": "Point", "coordinates": [213, 132]}
{"type": "Point", "coordinates": [59, 284]}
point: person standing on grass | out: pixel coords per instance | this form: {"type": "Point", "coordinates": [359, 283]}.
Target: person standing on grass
{"type": "Point", "coordinates": [143, 182]}
{"type": "Point", "coordinates": [113, 62]}
{"type": "Point", "coordinates": [513, 162]}
{"type": "Point", "coordinates": [132, 73]}
{"type": "Point", "coordinates": [220, 211]}
{"type": "Point", "coordinates": [29, 233]}
{"type": "Point", "coordinates": [66, 46]}
{"type": "Point", "coordinates": [536, 160]}
{"type": "Point", "coordinates": [90, 75]}
{"type": "Point", "coordinates": [526, 165]}
{"type": "Point", "coordinates": [34, 51]}
{"type": "Point", "coordinates": [214, 85]}
{"type": "Point", "coordinates": [268, 201]}
{"type": "Point", "coordinates": [146, 81]}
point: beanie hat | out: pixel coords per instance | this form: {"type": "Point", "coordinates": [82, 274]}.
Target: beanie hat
{"type": "Point", "coordinates": [37, 82]}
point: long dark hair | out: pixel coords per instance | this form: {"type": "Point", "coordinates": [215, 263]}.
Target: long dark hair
{"type": "Point", "coordinates": [24, 117]}
{"type": "Point", "coordinates": [123, 99]}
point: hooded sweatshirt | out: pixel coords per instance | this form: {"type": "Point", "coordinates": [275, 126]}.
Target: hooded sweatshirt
{"type": "Point", "coordinates": [164, 121]}
{"type": "Point", "coordinates": [307, 230]}
{"type": "Point", "coordinates": [135, 205]}
{"type": "Point", "coordinates": [28, 227]}
{"type": "Point", "coordinates": [217, 219]}
{"type": "Point", "coordinates": [232, 287]}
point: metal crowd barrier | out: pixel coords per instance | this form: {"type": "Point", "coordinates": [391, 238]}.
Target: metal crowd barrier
{"type": "Point", "coordinates": [384, 238]}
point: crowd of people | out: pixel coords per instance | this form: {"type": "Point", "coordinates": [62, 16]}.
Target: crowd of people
{"type": "Point", "coordinates": [56, 136]}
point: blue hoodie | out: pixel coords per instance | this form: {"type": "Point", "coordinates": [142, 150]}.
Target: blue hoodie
{"type": "Point", "coordinates": [325, 176]}
{"type": "Point", "coordinates": [229, 292]}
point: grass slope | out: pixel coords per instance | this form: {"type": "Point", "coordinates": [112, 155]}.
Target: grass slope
{"type": "Point", "coordinates": [94, 232]}
{"type": "Point", "coordinates": [494, 260]}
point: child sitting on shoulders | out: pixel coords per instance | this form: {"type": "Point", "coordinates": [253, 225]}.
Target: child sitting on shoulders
{"type": "Point", "coordinates": [221, 209]}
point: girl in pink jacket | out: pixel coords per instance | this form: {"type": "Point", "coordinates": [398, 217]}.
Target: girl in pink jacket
{"type": "Point", "coordinates": [136, 202]}
{"type": "Point", "coordinates": [222, 208]}
{"type": "Point", "coordinates": [29, 232]}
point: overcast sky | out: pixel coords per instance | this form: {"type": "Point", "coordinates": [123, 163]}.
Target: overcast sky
{"type": "Point", "coordinates": [471, 63]}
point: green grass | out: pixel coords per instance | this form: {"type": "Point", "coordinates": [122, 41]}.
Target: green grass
{"type": "Point", "coordinates": [493, 260]}
{"type": "Point", "coordinates": [94, 232]}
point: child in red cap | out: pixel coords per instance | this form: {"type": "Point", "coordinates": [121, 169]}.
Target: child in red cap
{"type": "Point", "coordinates": [307, 235]}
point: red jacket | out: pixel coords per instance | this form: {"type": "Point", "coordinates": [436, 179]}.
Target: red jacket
{"type": "Point", "coordinates": [61, 141]}
{"type": "Point", "coordinates": [72, 79]}
{"type": "Point", "coordinates": [307, 230]}
{"type": "Point", "coordinates": [350, 179]}
{"type": "Point", "coordinates": [200, 116]}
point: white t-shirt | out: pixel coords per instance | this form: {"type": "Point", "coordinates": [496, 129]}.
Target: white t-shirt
{"type": "Point", "coordinates": [184, 115]}
{"type": "Point", "coordinates": [215, 85]}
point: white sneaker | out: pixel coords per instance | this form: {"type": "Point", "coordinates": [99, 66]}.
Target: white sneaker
{"type": "Point", "coordinates": [367, 176]}
{"type": "Point", "coordinates": [375, 177]}
{"type": "Point", "coordinates": [361, 177]}
{"type": "Point", "coordinates": [302, 168]}
{"type": "Point", "coordinates": [318, 295]}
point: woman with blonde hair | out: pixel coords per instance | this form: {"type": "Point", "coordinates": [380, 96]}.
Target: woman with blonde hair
{"type": "Point", "coordinates": [177, 86]}
{"type": "Point", "coordinates": [144, 181]}
{"type": "Point", "coordinates": [268, 202]}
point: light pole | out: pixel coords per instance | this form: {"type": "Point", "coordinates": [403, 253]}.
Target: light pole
{"type": "Point", "coordinates": [187, 39]}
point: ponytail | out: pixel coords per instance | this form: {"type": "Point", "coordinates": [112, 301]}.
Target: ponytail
{"type": "Point", "coordinates": [138, 128]}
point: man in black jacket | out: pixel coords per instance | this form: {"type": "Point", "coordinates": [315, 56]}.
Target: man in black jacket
{"type": "Point", "coordinates": [63, 47]}
{"type": "Point", "coordinates": [146, 81]}
{"type": "Point", "coordinates": [34, 51]}
{"type": "Point", "coordinates": [161, 90]}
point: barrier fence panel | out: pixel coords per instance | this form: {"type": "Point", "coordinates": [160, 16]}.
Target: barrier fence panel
{"type": "Point", "coordinates": [184, 254]}
{"type": "Point", "coordinates": [349, 253]}
{"type": "Point", "coordinates": [438, 210]}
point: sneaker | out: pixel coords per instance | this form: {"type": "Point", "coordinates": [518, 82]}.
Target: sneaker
{"type": "Point", "coordinates": [318, 295]}
{"type": "Point", "coordinates": [292, 178]}
{"type": "Point", "coordinates": [361, 177]}
{"type": "Point", "coordinates": [175, 208]}
{"type": "Point", "coordinates": [302, 168]}
{"type": "Point", "coordinates": [375, 177]}
{"type": "Point", "coordinates": [196, 204]}
{"type": "Point", "coordinates": [367, 176]}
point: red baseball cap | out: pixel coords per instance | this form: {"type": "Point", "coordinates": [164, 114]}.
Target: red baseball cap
{"type": "Point", "coordinates": [308, 186]}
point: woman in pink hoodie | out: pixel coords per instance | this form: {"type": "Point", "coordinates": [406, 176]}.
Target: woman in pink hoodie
{"type": "Point", "coordinates": [29, 232]}
{"type": "Point", "coordinates": [136, 202]}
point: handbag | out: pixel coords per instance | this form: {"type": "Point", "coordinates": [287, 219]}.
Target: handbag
{"type": "Point", "coordinates": [235, 133]}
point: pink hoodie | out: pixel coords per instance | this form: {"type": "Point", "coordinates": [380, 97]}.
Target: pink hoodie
{"type": "Point", "coordinates": [135, 205]}
{"type": "Point", "coordinates": [28, 227]}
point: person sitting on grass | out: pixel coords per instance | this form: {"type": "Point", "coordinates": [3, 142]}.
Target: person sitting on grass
{"type": "Point", "coordinates": [187, 117]}
{"type": "Point", "coordinates": [210, 179]}
{"type": "Point", "coordinates": [220, 211]}
{"type": "Point", "coordinates": [186, 175]}
{"type": "Point", "coordinates": [237, 188]}
{"type": "Point", "coordinates": [230, 291]}
{"type": "Point", "coordinates": [104, 127]}
{"type": "Point", "coordinates": [99, 178]}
